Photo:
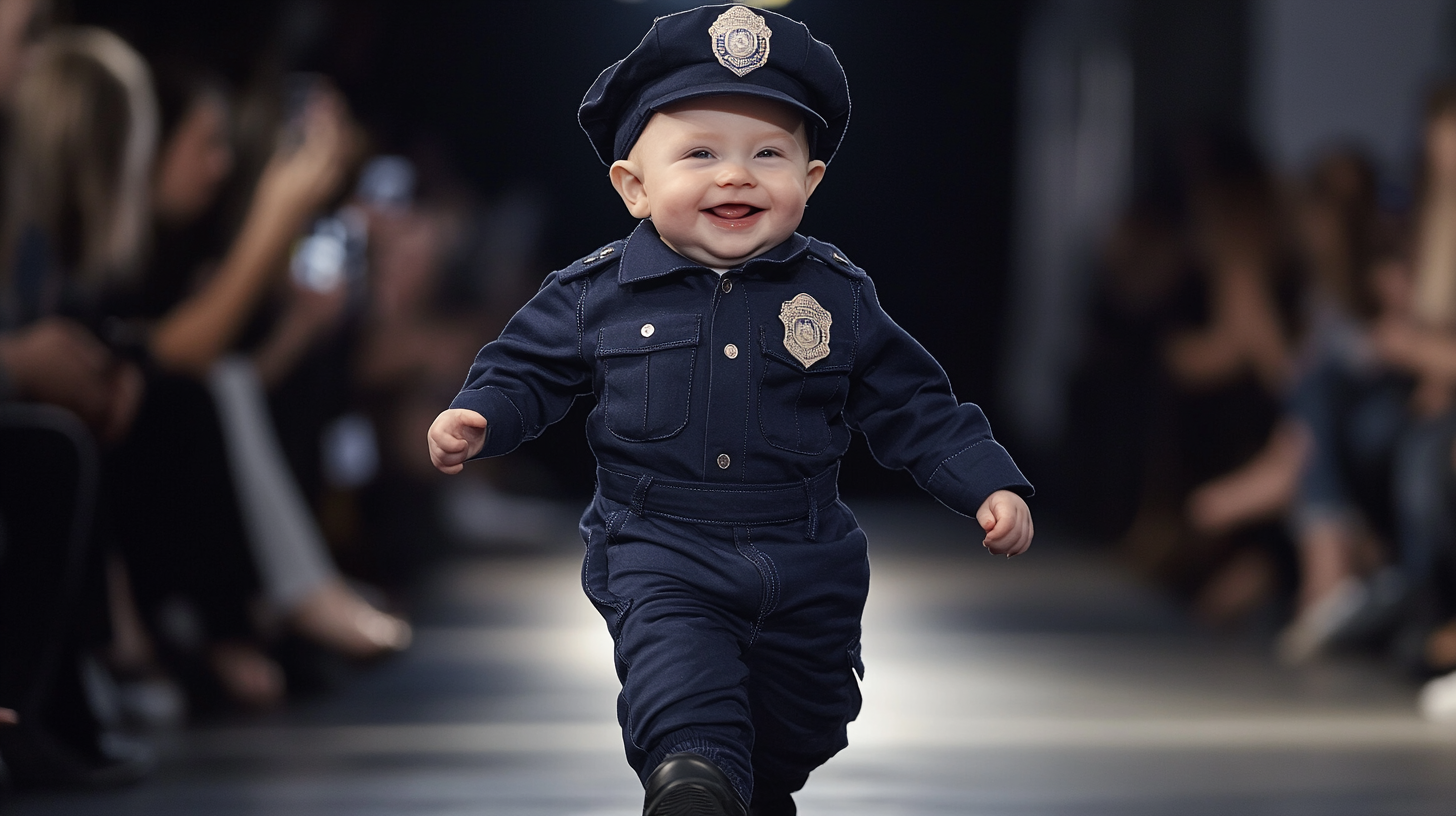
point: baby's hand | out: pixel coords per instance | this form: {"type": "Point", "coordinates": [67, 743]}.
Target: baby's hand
{"type": "Point", "coordinates": [1007, 522]}
{"type": "Point", "coordinates": [456, 435]}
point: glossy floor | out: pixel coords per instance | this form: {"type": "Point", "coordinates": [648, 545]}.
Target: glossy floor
{"type": "Point", "coordinates": [1049, 684]}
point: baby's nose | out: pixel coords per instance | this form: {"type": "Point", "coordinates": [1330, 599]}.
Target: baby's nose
{"type": "Point", "coordinates": [734, 174]}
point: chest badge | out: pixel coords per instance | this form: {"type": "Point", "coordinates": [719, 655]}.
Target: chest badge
{"type": "Point", "coordinates": [740, 40]}
{"type": "Point", "coordinates": [806, 329]}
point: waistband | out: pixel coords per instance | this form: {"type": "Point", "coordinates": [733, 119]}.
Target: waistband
{"type": "Point", "coordinates": [732, 504]}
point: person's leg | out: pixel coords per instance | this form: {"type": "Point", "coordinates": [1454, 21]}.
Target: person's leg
{"type": "Point", "coordinates": [170, 506]}
{"type": "Point", "coordinates": [1424, 491]}
{"type": "Point", "coordinates": [804, 658]}
{"type": "Point", "coordinates": [1422, 483]}
{"type": "Point", "coordinates": [50, 590]}
{"type": "Point", "coordinates": [680, 602]}
{"type": "Point", "coordinates": [298, 574]}
{"type": "Point", "coordinates": [48, 483]}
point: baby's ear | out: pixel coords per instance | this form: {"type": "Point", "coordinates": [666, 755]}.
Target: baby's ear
{"type": "Point", "coordinates": [813, 177]}
{"type": "Point", "coordinates": [627, 178]}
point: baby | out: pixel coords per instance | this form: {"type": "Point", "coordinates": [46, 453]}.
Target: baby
{"type": "Point", "coordinates": [730, 358]}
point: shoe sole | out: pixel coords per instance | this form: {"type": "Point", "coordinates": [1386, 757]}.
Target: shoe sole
{"type": "Point", "coordinates": [687, 799]}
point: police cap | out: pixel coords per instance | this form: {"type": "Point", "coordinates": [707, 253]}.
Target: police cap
{"type": "Point", "coordinates": [714, 50]}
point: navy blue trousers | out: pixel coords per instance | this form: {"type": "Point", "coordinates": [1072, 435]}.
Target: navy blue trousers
{"type": "Point", "coordinates": [739, 643]}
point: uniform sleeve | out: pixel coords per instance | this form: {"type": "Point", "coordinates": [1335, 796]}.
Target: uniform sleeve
{"type": "Point", "coordinates": [528, 378]}
{"type": "Point", "coordinates": [901, 400]}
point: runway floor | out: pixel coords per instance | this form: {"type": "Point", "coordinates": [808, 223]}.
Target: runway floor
{"type": "Point", "coordinates": [1048, 684]}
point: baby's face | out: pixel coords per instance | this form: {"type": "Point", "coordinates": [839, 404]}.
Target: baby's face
{"type": "Point", "coordinates": [723, 178]}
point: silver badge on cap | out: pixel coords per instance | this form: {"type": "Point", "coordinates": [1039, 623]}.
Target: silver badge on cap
{"type": "Point", "coordinates": [806, 329]}
{"type": "Point", "coordinates": [740, 40]}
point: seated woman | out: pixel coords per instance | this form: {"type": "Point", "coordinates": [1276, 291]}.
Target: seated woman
{"type": "Point", "coordinates": [82, 109]}
{"type": "Point", "coordinates": [196, 300]}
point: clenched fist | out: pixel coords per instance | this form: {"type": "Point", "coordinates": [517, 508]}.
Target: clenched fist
{"type": "Point", "coordinates": [456, 435]}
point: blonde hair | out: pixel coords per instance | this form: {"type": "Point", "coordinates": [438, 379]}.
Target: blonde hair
{"type": "Point", "coordinates": [85, 138]}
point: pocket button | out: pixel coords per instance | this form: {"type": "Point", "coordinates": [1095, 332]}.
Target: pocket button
{"type": "Point", "coordinates": [724, 461]}
{"type": "Point", "coordinates": [730, 351]}
{"type": "Point", "coordinates": [647, 329]}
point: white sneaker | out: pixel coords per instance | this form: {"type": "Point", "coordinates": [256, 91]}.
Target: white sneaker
{"type": "Point", "coordinates": [1438, 699]}
{"type": "Point", "coordinates": [1304, 638]}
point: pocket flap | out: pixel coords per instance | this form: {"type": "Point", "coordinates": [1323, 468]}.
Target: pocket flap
{"type": "Point", "coordinates": [665, 332]}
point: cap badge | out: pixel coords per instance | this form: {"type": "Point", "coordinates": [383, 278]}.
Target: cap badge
{"type": "Point", "coordinates": [740, 40]}
{"type": "Point", "coordinates": [806, 329]}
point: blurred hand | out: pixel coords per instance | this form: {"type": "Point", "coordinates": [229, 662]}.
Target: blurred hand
{"type": "Point", "coordinates": [456, 435]}
{"type": "Point", "coordinates": [1007, 522]}
{"type": "Point", "coordinates": [8, 717]}
{"type": "Point", "coordinates": [299, 180]}
{"type": "Point", "coordinates": [57, 361]}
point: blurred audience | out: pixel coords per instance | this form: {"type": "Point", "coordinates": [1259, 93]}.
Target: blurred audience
{"type": "Point", "coordinates": [1284, 357]}
{"type": "Point", "coordinates": [81, 138]}
{"type": "Point", "coordinates": [146, 505]}
{"type": "Point", "coordinates": [1221, 319]}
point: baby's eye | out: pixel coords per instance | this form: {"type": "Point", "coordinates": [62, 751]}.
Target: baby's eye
{"type": "Point", "coordinates": [700, 154]}
{"type": "Point", "coordinates": [767, 153]}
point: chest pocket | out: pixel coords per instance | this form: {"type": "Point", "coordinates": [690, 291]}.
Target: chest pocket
{"type": "Point", "coordinates": [647, 376]}
{"type": "Point", "coordinates": [796, 403]}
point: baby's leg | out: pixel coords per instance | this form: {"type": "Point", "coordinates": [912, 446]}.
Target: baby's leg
{"type": "Point", "coordinates": [802, 663]}
{"type": "Point", "coordinates": [680, 601]}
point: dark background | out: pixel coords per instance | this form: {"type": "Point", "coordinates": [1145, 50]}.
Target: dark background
{"type": "Point", "coordinates": [919, 195]}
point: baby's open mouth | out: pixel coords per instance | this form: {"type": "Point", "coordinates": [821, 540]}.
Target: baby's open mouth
{"type": "Point", "coordinates": [733, 212]}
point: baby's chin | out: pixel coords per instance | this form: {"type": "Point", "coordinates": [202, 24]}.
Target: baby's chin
{"type": "Point", "coordinates": [712, 258]}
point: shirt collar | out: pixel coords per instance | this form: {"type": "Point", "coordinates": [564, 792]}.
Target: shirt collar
{"type": "Point", "coordinates": [645, 256]}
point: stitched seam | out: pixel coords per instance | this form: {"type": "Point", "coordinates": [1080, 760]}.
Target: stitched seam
{"type": "Point", "coordinates": [733, 523]}
{"type": "Point", "coordinates": [798, 426]}
{"type": "Point", "coordinates": [748, 392]}
{"type": "Point", "coordinates": [768, 575]}
{"type": "Point", "coordinates": [525, 433]}
{"type": "Point", "coordinates": [623, 351]}
{"type": "Point", "coordinates": [606, 414]}
{"type": "Point", "coordinates": [581, 322]}
{"type": "Point", "coordinates": [771, 492]}
{"type": "Point", "coordinates": [586, 566]}
{"type": "Point", "coordinates": [952, 456]}
{"type": "Point", "coordinates": [622, 264]}
{"type": "Point", "coordinates": [763, 428]}
{"type": "Point", "coordinates": [646, 390]}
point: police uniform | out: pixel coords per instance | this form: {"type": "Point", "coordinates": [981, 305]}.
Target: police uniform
{"type": "Point", "coordinates": [731, 577]}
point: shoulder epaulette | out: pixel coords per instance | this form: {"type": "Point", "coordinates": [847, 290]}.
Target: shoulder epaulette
{"type": "Point", "coordinates": [831, 257]}
{"type": "Point", "coordinates": [587, 264]}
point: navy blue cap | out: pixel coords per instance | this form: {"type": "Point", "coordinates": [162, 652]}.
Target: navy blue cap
{"type": "Point", "coordinates": [714, 50]}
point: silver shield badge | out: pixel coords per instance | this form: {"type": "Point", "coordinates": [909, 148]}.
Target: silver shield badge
{"type": "Point", "coordinates": [740, 40]}
{"type": "Point", "coordinates": [806, 329]}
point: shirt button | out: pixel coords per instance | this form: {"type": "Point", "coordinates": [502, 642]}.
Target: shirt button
{"type": "Point", "coordinates": [727, 285]}
{"type": "Point", "coordinates": [647, 330]}
{"type": "Point", "coordinates": [724, 461]}
{"type": "Point", "coordinates": [731, 351]}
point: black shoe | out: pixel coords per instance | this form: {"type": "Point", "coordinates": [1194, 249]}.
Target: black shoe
{"type": "Point", "coordinates": [688, 785]}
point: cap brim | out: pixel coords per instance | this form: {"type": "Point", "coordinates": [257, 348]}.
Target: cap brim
{"type": "Point", "coordinates": [736, 88]}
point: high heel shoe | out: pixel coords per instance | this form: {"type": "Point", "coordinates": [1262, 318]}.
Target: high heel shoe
{"type": "Point", "coordinates": [335, 617]}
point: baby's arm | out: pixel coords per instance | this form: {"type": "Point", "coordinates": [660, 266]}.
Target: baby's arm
{"type": "Point", "coordinates": [1007, 522]}
{"type": "Point", "coordinates": [456, 435]}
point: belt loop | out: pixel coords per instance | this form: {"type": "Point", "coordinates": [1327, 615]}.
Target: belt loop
{"type": "Point", "coordinates": [639, 494]}
{"type": "Point", "coordinates": [813, 530]}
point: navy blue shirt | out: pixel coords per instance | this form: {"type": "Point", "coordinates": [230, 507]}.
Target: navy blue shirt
{"type": "Point", "coordinates": [695, 380]}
